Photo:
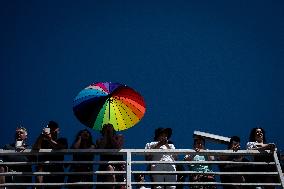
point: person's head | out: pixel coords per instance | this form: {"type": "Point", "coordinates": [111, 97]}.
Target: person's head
{"type": "Point", "coordinates": [199, 142]}
{"type": "Point", "coordinates": [54, 129]}
{"type": "Point", "coordinates": [257, 135]}
{"type": "Point", "coordinates": [162, 133]}
{"type": "Point", "coordinates": [21, 133]}
{"type": "Point", "coordinates": [234, 142]}
{"type": "Point", "coordinates": [108, 129]}
{"type": "Point", "coordinates": [86, 136]}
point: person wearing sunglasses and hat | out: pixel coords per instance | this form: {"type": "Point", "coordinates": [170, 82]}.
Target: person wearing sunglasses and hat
{"type": "Point", "coordinates": [161, 141]}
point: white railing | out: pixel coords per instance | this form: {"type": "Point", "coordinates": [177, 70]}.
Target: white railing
{"type": "Point", "coordinates": [135, 164]}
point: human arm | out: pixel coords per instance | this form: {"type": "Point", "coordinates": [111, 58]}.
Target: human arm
{"type": "Point", "coordinates": [117, 141]}
{"type": "Point", "coordinates": [77, 143]}
{"type": "Point", "coordinates": [171, 146]}
{"type": "Point", "coordinates": [38, 142]}
{"type": "Point", "coordinates": [110, 141]}
{"type": "Point", "coordinates": [148, 157]}
{"type": "Point", "coordinates": [46, 137]}
{"type": "Point", "coordinates": [187, 158]}
{"type": "Point", "coordinates": [260, 146]}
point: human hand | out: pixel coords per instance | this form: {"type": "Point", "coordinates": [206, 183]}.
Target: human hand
{"type": "Point", "coordinates": [163, 141]}
{"type": "Point", "coordinates": [20, 148]}
{"type": "Point", "coordinates": [101, 143]}
{"type": "Point", "coordinates": [271, 146]}
{"type": "Point", "coordinates": [197, 149]}
{"type": "Point", "coordinates": [235, 148]}
{"type": "Point", "coordinates": [79, 138]}
{"type": "Point", "coordinates": [118, 141]}
{"type": "Point", "coordinates": [46, 135]}
{"type": "Point", "coordinates": [187, 158]}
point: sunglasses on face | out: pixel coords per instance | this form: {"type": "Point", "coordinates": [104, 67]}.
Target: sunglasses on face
{"type": "Point", "coordinates": [20, 132]}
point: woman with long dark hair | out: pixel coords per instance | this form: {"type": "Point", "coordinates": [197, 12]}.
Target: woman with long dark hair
{"type": "Point", "coordinates": [257, 141]}
{"type": "Point", "coordinates": [83, 140]}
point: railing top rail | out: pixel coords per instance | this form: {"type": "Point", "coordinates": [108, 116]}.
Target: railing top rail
{"type": "Point", "coordinates": [139, 183]}
{"type": "Point", "coordinates": [137, 162]}
{"type": "Point", "coordinates": [133, 151]}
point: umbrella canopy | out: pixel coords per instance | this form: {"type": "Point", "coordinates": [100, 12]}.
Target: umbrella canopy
{"type": "Point", "coordinates": [102, 103]}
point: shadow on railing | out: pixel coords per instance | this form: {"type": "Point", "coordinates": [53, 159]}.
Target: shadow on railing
{"type": "Point", "coordinates": [13, 171]}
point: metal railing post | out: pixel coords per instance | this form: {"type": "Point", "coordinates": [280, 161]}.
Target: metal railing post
{"type": "Point", "coordinates": [128, 169]}
{"type": "Point", "coordinates": [278, 167]}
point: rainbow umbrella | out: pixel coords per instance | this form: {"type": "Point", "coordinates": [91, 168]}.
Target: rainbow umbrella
{"type": "Point", "coordinates": [107, 102]}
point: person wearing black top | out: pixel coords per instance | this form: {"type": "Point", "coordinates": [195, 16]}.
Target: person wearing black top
{"type": "Point", "coordinates": [234, 145]}
{"type": "Point", "coordinates": [257, 141]}
{"type": "Point", "coordinates": [48, 139]}
{"type": "Point", "coordinates": [83, 140]}
{"type": "Point", "coordinates": [110, 140]}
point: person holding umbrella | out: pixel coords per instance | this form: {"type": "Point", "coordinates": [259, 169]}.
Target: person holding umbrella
{"type": "Point", "coordinates": [161, 138]}
{"type": "Point", "coordinates": [110, 140]}
{"type": "Point", "coordinates": [109, 107]}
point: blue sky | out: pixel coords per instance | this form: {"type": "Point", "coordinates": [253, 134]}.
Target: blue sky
{"type": "Point", "coordinates": [210, 66]}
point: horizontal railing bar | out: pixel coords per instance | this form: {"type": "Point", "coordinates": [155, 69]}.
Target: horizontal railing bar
{"type": "Point", "coordinates": [135, 172]}
{"type": "Point", "coordinates": [133, 151]}
{"type": "Point", "coordinates": [63, 184]}
{"type": "Point", "coordinates": [205, 152]}
{"type": "Point", "coordinates": [62, 173]}
{"type": "Point", "coordinates": [205, 183]}
{"type": "Point", "coordinates": [65, 151]}
{"type": "Point", "coordinates": [202, 162]}
{"type": "Point", "coordinates": [62, 162]}
{"type": "Point", "coordinates": [139, 183]}
{"type": "Point", "coordinates": [136, 162]}
{"type": "Point", "coordinates": [206, 173]}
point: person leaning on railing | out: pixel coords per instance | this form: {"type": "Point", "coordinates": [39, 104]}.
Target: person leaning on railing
{"type": "Point", "coordinates": [19, 146]}
{"type": "Point", "coordinates": [199, 145]}
{"type": "Point", "coordinates": [161, 142]}
{"type": "Point", "coordinates": [234, 145]}
{"type": "Point", "coordinates": [257, 141]}
{"type": "Point", "coordinates": [48, 139]}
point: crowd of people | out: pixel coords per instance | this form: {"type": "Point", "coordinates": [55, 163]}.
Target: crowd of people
{"type": "Point", "coordinates": [109, 139]}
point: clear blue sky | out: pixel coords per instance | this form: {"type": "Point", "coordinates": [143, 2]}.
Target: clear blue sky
{"type": "Point", "coordinates": [213, 66]}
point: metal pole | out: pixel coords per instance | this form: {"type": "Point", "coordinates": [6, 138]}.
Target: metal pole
{"type": "Point", "coordinates": [128, 170]}
{"type": "Point", "coordinates": [278, 167]}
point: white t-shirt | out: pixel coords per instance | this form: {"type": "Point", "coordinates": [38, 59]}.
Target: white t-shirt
{"type": "Point", "coordinates": [160, 156]}
{"type": "Point", "coordinates": [252, 145]}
